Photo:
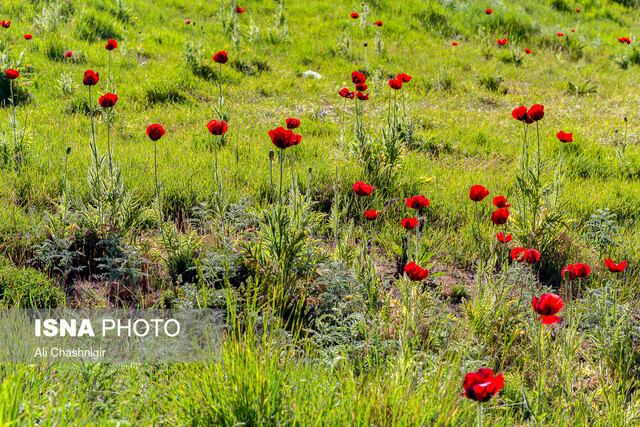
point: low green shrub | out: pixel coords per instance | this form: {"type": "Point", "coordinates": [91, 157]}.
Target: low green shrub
{"type": "Point", "coordinates": [27, 288]}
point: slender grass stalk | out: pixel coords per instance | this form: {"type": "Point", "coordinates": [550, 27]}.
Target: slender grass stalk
{"type": "Point", "coordinates": [15, 130]}
{"type": "Point", "coordinates": [281, 173]}
{"type": "Point", "coordinates": [93, 147]}
{"type": "Point", "coordinates": [155, 166]}
{"type": "Point", "coordinates": [418, 232]}
{"type": "Point", "coordinates": [220, 97]}
{"type": "Point", "coordinates": [538, 155]}
{"type": "Point", "coordinates": [476, 221]}
{"type": "Point", "coordinates": [404, 108]}
{"type": "Point", "coordinates": [523, 160]}
{"type": "Point", "coordinates": [395, 111]}
{"type": "Point", "coordinates": [344, 110]}
{"type": "Point", "coordinates": [108, 120]}
{"type": "Point", "coordinates": [540, 370]}
{"type": "Point", "coordinates": [215, 159]}
{"type": "Point", "coordinates": [271, 157]}
{"type": "Point", "coordinates": [389, 111]}
{"type": "Point", "coordinates": [110, 76]}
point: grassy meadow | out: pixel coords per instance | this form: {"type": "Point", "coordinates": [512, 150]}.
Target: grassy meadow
{"type": "Point", "coordinates": [325, 326]}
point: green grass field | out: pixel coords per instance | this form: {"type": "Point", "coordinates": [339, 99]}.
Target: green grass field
{"type": "Point", "coordinates": [325, 328]}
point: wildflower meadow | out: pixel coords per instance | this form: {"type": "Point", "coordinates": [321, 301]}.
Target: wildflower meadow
{"type": "Point", "coordinates": [408, 213]}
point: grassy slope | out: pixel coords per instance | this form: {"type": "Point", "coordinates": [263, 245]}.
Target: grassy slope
{"type": "Point", "coordinates": [482, 142]}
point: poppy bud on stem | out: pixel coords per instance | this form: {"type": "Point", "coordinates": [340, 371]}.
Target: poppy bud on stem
{"type": "Point", "coordinates": [365, 55]}
{"type": "Point", "coordinates": [66, 159]}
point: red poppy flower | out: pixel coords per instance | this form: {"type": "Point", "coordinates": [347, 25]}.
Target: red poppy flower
{"type": "Point", "coordinates": [454, 43]}
{"type": "Point", "coordinates": [501, 202]}
{"type": "Point", "coordinates": [502, 42]}
{"type": "Point", "coordinates": [5, 24]}
{"type": "Point", "coordinates": [517, 254]}
{"type": "Point", "coordinates": [155, 131]}
{"type": "Point", "coordinates": [615, 268]}
{"type": "Point", "coordinates": [582, 270]}
{"type": "Point", "coordinates": [217, 127]}
{"type": "Point", "coordinates": [478, 193]}
{"type": "Point", "coordinates": [90, 78]}
{"type": "Point", "coordinates": [378, 23]}
{"type": "Point", "coordinates": [362, 87]}
{"type": "Point", "coordinates": [409, 223]}
{"type": "Point", "coordinates": [500, 216]}
{"type": "Point", "coordinates": [406, 78]}
{"type": "Point", "coordinates": [283, 138]}
{"type": "Point", "coordinates": [371, 215]}
{"type": "Point", "coordinates": [28, 36]}
{"type": "Point", "coordinates": [415, 273]}
{"type": "Point", "coordinates": [502, 238]}
{"type": "Point", "coordinates": [358, 78]}
{"type": "Point", "coordinates": [417, 202]}
{"type": "Point", "coordinates": [239, 10]}
{"type": "Point", "coordinates": [482, 385]}
{"type": "Point", "coordinates": [111, 44]}
{"type": "Point", "coordinates": [527, 51]}
{"type": "Point", "coordinates": [362, 189]}
{"type": "Point", "coordinates": [346, 93]}
{"type": "Point", "coordinates": [355, 15]}
{"type": "Point", "coordinates": [69, 54]}
{"type": "Point", "coordinates": [565, 137]}
{"type": "Point", "coordinates": [531, 256]}
{"type": "Point", "coordinates": [12, 74]}
{"type": "Point", "coordinates": [577, 270]}
{"type": "Point", "coordinates": [292, 123]}
{"type": "Point", "coordinates": [577, 10]}
{"type": "Point", "coordinates": [573, 30]}
{"type": "Point", "coordinates": [560, 34]}
{"type": "Point", "coordinates": [625, 40]}
{"type": "Point", "coordinates": [221, 57]}
{"type": "Point", "coordinates": [520, 114]}
{"type": "Point", "coordinates": [187, 22]}
{"type": "Point", "coordinates": [362, 96]}
{"type": "Point", "coordinates": [536, 112]}
{"type": "Point", "coordinates": [547, 306]}
{"type": "Point", "coordinates": [488, 11]}
{"type": "Point", "coordinates": [108, 100]}
{"type": "Point", "coordinates": [395, 84]}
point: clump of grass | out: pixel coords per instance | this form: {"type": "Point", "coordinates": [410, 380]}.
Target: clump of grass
{"type": "Point", "coordinates": [254, 67]}
{"type": "Point", "coordinates": [55, 50]}
{"type": "Point", "coordinates": [582, 89]}
{"type": "Point", "coordinates": [444, 82]}
{"type": "Point", "coordinates": [493, 84]}
{"type": "Point", "coordinates": [161, 93]}
{"type": "Point", "coordinates": [434, 18]}
{"type": "Point", "coordinates": [93, 27]}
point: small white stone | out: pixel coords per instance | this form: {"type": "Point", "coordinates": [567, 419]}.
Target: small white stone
{"type": "Point", "coordinates": [313, 74]}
